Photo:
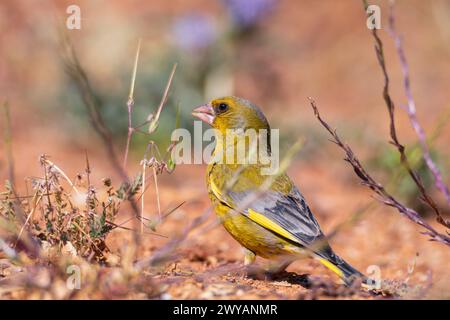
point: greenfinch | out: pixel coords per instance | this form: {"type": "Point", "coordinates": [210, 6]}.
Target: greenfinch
{"type": "Point", "coordinates": [277, 224]}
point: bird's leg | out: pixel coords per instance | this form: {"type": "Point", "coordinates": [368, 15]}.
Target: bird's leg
{"type": "Point", "coordinates": [249, 257]}
{"type": "Point", "coordinates": [277, 267]}
{"type": "Point", "coordinates": [270, 270]}
{"type": "Point", "coordinates": [251, 270]}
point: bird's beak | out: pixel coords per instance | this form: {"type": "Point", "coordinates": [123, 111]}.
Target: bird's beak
{"type": "Point", "coordinates": [204, 113]}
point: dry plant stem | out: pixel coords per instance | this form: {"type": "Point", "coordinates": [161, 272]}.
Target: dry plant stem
{"type": "Point", "coordinates": [119, 226]}
{"type": "Point", "coordinates": [88, 170]}
{"type": "Point", "coordinates": [8, 142]}
{"type": "Point", "coordinates": [30, 243]}
{"type": "Point", "coordinates": [153, 119]}
{"type": "Point", "coordinates": [27, 197]}
{"type": "Point", "coordinates": [86, 235]}
{"type": "Point", "coordinates": [158, 167]}
{"type": "Point", "coordinates": [411, 109]}
{"type": "Point", "coordinates": [36, 199]}
{"type": "Point", "coordinates": [89, 186]}
{"type": "Point", "coordinates": [158, 203]}
{"type": "Point", "coordinates": [93, 105]}
{"type": "Point", "coordinates": [393, 132]}
{"type": "Point", "coordinates": [130, 104]}
{"type": "Point", "coordinates": [144, 166]}
{"type": "Point", "coordinates": [382, 195]}
{"type": "Point", "coordinates": [45, 160]}
{"type": "Point", "coordinates": [47, 186]}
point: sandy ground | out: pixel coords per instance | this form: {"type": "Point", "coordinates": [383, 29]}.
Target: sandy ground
{"type": "Point", "coordinates": [209, 262]}
{"type": "Point", "coordinates": [317, 51]}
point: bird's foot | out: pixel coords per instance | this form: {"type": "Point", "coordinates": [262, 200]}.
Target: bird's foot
{"type": "Point", "coordinates": [255, 271]}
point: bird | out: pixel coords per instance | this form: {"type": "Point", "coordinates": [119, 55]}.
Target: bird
{"type": "Point", "coordinates": [277, 224]}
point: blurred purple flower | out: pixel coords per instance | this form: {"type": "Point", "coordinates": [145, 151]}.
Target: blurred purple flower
{"type": "Point", "coordinates": [246, 13]}
{"type": "Point", "coordinates": [194, 31]}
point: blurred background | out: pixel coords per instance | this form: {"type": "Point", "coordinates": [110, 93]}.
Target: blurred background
{"type": "Point", "coordinates": [275, 53]}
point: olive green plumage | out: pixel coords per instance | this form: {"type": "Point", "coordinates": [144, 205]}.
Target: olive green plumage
{"type": "Point", "coordinates": [278, 223]}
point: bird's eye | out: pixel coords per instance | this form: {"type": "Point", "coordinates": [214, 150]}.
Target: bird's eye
{"type": "Point", "coordinates": [222, 107]}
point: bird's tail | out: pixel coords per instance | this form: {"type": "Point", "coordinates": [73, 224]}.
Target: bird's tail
{"type": "Point", "coordinates": [336, 264]}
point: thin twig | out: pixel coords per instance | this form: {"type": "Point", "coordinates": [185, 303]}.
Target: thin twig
{"type": "Point", "coordinates": [8, 143]}
{"type": "Point", "coordinates": [153, 119]}
{"type": "Point", "coordinates": [130, 104]}
{"type": "Point", "coordinates": [25, 197]}
{"type": "Point", "coordinates": [93, 106]}
{"type": "Point", "coordinates": [47, 187]}
{"type": "Point", "coordinates": [158, 202]}
{"type": "Point", "coordinates": [88, 169]}
{"type": "Point", "coordinates": [36, 199]}
{"type": "Point", "coordinates": [44, 160]}
{"type": "Point", "coordinates": [383, 195]}
{"type": "Point", "coordinates": [144, 166]}
{"type": "Point", "coordinates": [91, 102]}
{"type": "Point", "coordinates": [425, 197]}
{"type": "Point", "coordinates": [118, 226]}
{"type": "Point", "coordinates": [411, 109]}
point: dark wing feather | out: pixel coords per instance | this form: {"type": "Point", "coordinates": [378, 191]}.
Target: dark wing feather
{"type": "Point", "coordinates": [288, 211]}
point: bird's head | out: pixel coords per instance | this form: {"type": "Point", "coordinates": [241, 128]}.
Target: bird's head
{"type": "Point", "coordinates": [231, 113]}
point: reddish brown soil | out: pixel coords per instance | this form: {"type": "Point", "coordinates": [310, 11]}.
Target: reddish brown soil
{"type": "Point", "coordinates": [329, 56]}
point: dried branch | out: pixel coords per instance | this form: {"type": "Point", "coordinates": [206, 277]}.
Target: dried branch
{"type": "Point", "coordinates": [130, 104]}
{"type": "Point", "coordinates": [425, 197]}
{"type": "Point", "coordinates": [43, 159]}
{"type": "Point", "coordinates": [411, 109]}
{"type": "Point", "coordinates": [91, 102]}
{"type": "Point", "coordinates": [8, 143]}
{"type": "Point", "coordinates": [93, 105]}
{"type": "Point", "coordinates": [152, 119]}
{"type": "Point", "coordinates": [144, 166]}
{"type": "Point", "coordinates": [383, 195]}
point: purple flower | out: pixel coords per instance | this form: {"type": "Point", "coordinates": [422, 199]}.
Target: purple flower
{"type": "Point", "coordinates": [246, 13]}
{"type": "Point", "coordinates": [193, 32]}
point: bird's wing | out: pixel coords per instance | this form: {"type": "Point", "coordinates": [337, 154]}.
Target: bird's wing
{"type": "Point", "coordinates": [287, 215]}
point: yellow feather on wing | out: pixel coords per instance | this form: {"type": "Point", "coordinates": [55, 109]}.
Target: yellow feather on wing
{"type": "Point", "coordinates": [270, 225]}
{"type": "Point", "coordinates": [258, 217]}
